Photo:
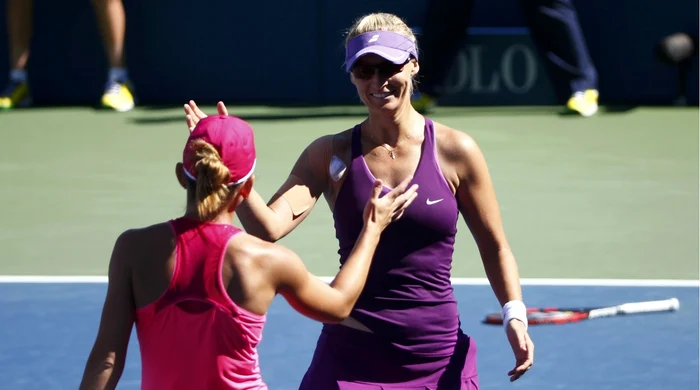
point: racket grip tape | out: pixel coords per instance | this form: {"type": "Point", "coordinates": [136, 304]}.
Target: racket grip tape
{"type": "Point", "coordinates": [651, 306]}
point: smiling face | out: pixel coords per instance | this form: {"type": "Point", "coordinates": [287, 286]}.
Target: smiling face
{"type": "Point", "coordinates": [383, 85]}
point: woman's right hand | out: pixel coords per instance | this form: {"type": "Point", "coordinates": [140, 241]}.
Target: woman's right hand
{"type": "Point", "coordinates": [193, 114]}
{"type": "Point", "coordinates": [381, 211]}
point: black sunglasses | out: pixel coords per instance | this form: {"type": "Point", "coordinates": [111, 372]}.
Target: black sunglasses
{"type": "Point", "coordinates": [385, 69]}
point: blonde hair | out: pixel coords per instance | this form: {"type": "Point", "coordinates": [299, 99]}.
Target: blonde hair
{"type": "Point", "coordinates": [212, 176]}
{"type": "Point", "coordinates": [379, 21]}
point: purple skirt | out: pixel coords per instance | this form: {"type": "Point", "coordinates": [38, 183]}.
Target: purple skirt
{"type": "Point", "coordinates": [350, 359]}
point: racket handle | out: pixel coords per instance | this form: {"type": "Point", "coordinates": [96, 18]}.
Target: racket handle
{"type": "Point", "coordinates": [650, 306]}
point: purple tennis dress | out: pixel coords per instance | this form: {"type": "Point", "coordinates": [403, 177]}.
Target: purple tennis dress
{"type": "Point", "coordinates": [408, 301]}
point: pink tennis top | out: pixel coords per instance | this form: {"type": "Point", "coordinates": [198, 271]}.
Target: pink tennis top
{"type": "Point", "coordinates": [194, 336]}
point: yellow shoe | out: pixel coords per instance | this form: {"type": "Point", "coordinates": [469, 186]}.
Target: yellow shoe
{"type": "Point", "coordinates": [585, 103]}
{"type": "Point", "coordinates": [423, 103]}
{"type": "Point", "coordinates": [118, 97]}
{"type": "Point", "coordinates": [16, 94]}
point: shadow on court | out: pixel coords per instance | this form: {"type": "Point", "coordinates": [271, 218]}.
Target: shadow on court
{"type": "Point", "coordinates": [277, 113]}
{"type": "Point", "coordinates": [163, 114]}
{"type": "Point", "coordinates": [278, 116]}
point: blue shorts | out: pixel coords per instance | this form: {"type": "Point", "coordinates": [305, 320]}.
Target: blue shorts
{"type": "Point", "coordinates": [350, 359]}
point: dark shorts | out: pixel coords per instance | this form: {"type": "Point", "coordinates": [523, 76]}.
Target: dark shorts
{"type": "Point", "coordinates": [349, 359]}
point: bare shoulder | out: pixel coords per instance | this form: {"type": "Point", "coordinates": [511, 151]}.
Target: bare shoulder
{"type": "Point", "coordinates": [342, 146]}
{"type": "Point", "coordinates": [453, 144]}
{"type": "Point", "coordinates": [147, 232]}
{"type": "Point", "coordinates": [343, 139]}
{"type": "Point", "coordinates": [318, 154]}
{"type": "Point", "coordinates": [320, 144]}
{"type": "Point", "coordinates": [331, 144]}
{"type": "Point", "coordinates": [139, 239]}
{"type": "Point", "coordinates": [320, 160]}
{"type": "Point", "coordinates": [244, 247]}
{"type": "Point", "coordinates": [459, 154]}
{"type": "Point", "coordinates": [266, 259]}
{"type": "Point", "coordinates": [136, 247]}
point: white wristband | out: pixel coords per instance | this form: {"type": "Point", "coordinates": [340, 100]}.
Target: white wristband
{"type": "Point", "coordinates": [514, 310]}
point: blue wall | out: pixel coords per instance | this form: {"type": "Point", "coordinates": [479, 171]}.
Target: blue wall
{"type": "Point", "coordinates": [291, 51]}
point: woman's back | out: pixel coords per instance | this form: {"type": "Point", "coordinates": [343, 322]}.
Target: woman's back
{"type": "Point", "coordinates": [191, 334]}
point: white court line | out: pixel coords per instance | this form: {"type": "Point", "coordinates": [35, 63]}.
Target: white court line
{"type": "Point", "coordinates": [455, 281]}
{"type": "Point", "coordinates": [51, 279]}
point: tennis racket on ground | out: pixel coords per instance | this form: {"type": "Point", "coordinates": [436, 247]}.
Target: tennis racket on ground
{"type": "Point", "coordinates": [556, 315]}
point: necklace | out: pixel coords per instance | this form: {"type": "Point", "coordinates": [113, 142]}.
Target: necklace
{"type": "Point", "coordinates": [392, 154]}
{"type": "Point", "coordinates": [392, 151]}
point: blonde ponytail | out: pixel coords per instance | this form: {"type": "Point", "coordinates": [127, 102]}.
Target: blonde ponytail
{"type": "Point", "coordinates": [212, 178]}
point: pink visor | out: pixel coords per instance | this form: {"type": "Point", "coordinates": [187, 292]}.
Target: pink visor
{"type": "Point", "coordinates": [233, 138]}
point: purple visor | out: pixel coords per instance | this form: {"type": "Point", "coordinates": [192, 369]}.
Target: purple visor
{"type": "Point", "coordinates": [393, 47]}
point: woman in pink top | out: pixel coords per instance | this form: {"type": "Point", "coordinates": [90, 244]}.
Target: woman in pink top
{"type": "Point", "coordinates": [198, 287]}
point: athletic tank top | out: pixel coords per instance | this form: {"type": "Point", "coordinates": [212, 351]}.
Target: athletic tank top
{"type": "Point", "coordinates": [408, 299]}
{"type": "Point", "coordinates": [194, 336]}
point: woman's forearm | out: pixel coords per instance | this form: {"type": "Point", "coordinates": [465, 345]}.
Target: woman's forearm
{"type": "Point", "coordinates": [258, 219]}
{"type": "Point", "coordinates": [502, 272]}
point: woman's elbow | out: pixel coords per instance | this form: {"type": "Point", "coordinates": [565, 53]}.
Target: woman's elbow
{"type": "Point", "coordinates": [338, 314]}
{"type": "Point", "coordinates": [342, 315]}
{"type": "Point", "coordinates": [343, 310]}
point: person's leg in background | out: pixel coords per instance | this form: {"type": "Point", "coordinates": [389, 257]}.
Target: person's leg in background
{"type": "Point", "coordinates": [677, 50]}
{"type": "Point", "coordinates": [555, 29]}
{"type": "Point", "coordinates": [443, 33]}
{"type": "Point", "coordinates": [111, 20]}
{"type": "Point", "coordinates": [19, 31]}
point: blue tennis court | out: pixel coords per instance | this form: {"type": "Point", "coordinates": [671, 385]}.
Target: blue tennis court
{"type": "Point", "coordinates": [48, 329]}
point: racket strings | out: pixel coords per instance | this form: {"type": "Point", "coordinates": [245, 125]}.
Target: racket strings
{"type": "Point", "coordinates": [549, 317]}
